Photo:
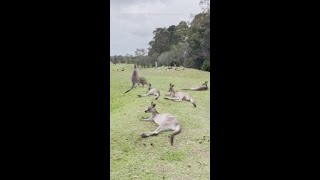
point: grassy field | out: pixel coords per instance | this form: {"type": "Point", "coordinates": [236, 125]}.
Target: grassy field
{"type": "Point", "coordinates": [133, 157]}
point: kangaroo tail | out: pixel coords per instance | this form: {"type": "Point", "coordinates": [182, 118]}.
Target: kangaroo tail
{"type": "Point", "coordinates": [129, 89]}
{"type": "Point", "coordinates": [142, 95]}
{"type": "Point", "coordinates": [158, 95]}
{"type": "Point", "coordinates": [176, 131]}
{"type": "Point", "coordinates": [192, 101]}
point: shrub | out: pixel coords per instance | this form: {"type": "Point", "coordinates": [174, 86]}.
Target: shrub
{"type": "Point", "coordinates": [206, 65]}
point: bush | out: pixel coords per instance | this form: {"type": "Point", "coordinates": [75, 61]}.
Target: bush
{"type": "Point", "coordinates": [206, 65]}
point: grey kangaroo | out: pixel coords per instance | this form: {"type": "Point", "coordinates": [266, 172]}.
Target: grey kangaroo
{"type": "Point", "coordinates": [151, 92]}
{"type": "Point", "coordinates": [165, 122]}
{"type": "Point", "coordinates": [203, 87]}
{"type": "Point", "coordinates": [134, 78]}
{"type": "Point", "coordinates": [179, 96]}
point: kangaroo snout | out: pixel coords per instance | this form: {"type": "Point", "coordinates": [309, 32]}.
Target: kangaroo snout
{"type": "Point", "coordinates": [146, 111]}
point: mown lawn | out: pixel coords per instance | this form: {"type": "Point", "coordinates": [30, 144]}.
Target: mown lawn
{"type": "Point", "coordinates": [133, 157]}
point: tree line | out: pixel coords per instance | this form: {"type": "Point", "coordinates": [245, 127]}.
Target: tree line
{"type": "Point", "coordinates": [185, 44]}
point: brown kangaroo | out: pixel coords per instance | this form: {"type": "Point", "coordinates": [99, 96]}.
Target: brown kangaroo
{"type": "Point", "coordinates": [151, 92]}
{"type": "Point", "coordinates": [179, 96]}
{"type": "Point", "coordinates": [203, 87]}
{"type": "Point", "coordinates": [142, 81]}
{"type": "Point", "coordinates": [165, 122]}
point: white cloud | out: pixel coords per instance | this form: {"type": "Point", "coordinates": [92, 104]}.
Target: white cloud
{"type": "Point", "coordinates": [132, 22]}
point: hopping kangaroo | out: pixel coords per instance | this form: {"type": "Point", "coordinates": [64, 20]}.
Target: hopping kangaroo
{"type": "Point", "coordinates": [134, 78]}
{"type": "Point", "coordinates": [165, 122]}
{"type": "Point", "coordinates": [151, 92]}
{"type": "Point", "coordinates": [203, 87]}
{"type": "Point", "coordinates": [179, 96]}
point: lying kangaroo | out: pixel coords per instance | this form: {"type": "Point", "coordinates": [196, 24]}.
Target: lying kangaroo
{"type": "Point", "coordinates": [203, 87]}
{"type": "Point", "coordinates": [134, 78]}
{"type": "Point", "coordinates": [165, 122]}
{"type": "Point", "coordinates": [179, 96]}
{"type": "Point", "coordinates": [151, 92]}
{"type": "Point", "coordinates": [181, 68]}
{"type": "Point", "coordinates": [142, 81]}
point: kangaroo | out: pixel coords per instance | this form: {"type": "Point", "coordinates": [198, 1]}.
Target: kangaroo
{"type": "Point", "coordinates": [165, 122]}
{"type": "Point", "coordinates": [179, 96]}
{"type": "Point", "coordinates": [152, 91]}
{"type": "Point", "coordinates": [142, 81]}
{"type": "Point", "coordinates": [134, 78]}
{"type": "Point", "coordinates": [181, 68]}
{"type": "Point", "coordinates": [203, 87]}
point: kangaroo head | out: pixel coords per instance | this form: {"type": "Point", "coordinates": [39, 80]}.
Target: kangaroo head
{"type": "Point", "coordinates": [151, 109]}
{"type": "Point", "coordinates": [171, 87]}
{"type": "Point", "coordinates": [205, 84]}
{"type": "Point", "coordinates": [149, 88]}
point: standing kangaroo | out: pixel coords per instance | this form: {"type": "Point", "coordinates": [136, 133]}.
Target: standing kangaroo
{"type": "Point", "coordinates": [151, 92]}
{"type": "Point", "coordinates": [165, 122]}
{"type": "Point", "coordinates": [134, 78]}
{"type": "Point", "coordinates": [179, 96]}
{"type": "Point", "coordinates": [203, 87]}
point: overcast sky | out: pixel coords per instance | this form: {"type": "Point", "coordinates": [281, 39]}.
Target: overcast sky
{"type": "Point", "coordinates": [132, 22]}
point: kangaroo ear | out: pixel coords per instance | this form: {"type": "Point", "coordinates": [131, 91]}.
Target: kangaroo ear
{"type": "Point", "coordinates": [154, 105]}
{"type": "Point", "coordinates": [151, 103]}
{"type": "Point", "coordinates": [172, 85]}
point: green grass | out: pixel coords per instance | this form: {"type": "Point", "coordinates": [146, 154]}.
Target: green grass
{"type": "Point", "coordinates": [133, 157]}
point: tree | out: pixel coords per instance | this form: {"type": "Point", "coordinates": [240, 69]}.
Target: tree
{"type": "Point", "coordinates": [199, 39]}
{"type": "Point", "coordinates": [182, 30]}
{"type": "Point", "coordinates": [179, 53]}
{"type": "Point", "coordinates": [206, 65]}
{"type": "Point", "coordinates": [186, 44]}
{"type": "Point", "coordinates": [160, 41]}
{"type": "Point", "coordinates": [164, 59]}
{"type": "Point", "coordinates": [140, 52]}
{"type": "Point", "coordinates": [205, 5]}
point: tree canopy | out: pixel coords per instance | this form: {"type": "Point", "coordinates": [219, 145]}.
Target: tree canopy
{"type": "Point", "coordinates": [185, 44]}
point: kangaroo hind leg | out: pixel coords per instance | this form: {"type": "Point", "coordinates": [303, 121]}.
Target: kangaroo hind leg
{"type": "Point", "coordinates": [171, 98]}
{"type": "Point", "coordinates": [155, 132]}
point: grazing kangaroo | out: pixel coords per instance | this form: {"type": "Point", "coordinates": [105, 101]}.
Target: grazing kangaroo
{"type": "Point", "coordinates": [151, 92]}
{"type": "Point", "coordinates": [134, 78]}
{"type": "Point", "coordinates": [142, 81]}
{"type": "Point", "coordinates": [203, 87]}
{"type": "Point", "coordinates": [165, 122]}
{"type": "Point", "coordinates": [179, 96]}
